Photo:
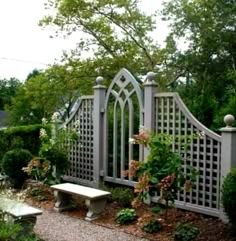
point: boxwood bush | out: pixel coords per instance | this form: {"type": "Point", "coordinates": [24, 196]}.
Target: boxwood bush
{"type": "Point", "coordinates": [12, 163]}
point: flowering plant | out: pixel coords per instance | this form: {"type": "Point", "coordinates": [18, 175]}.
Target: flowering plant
{"type": "Point", "coordinates": [39, 169]}
{"type": "Point", "coordinates": [161, 172]}
{"type": "Point", "coordinates": [54, 145]}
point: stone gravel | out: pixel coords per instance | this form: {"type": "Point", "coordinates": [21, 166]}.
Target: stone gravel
{"type": "Point", "coordinates": [54, 226]}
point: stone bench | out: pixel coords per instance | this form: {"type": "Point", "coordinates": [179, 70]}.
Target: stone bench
{"type": "Point", "coordinates": [18, 212]}
{"type": "Point", "coordinates": [95, 199]}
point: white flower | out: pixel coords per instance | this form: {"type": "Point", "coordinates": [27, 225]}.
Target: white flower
{"type": "Point", "coordinates": [42, 133]}
{"type": "Point", "coordinates": [201, 134]}
{"type": "Point", "coordinates": [132, 141]}
{"type": "Point", "coordinates": [77, 124]}
{"type": "Point", "coordinates": [142, 129]}
{"type": "Point", "coordinates": [44, 121]}
{"type": "Point", "coordinates": [55, 116]}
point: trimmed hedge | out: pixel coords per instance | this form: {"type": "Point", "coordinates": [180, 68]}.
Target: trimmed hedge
{"type": "Point", "coordinates": [26, 137]}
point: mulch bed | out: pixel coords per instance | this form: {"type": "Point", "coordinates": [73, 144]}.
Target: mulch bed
{"type": "Point", "coordinates": [211, 229]}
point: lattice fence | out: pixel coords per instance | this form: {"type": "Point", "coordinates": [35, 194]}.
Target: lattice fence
{"type": "Point", "coordinates": [81, 153]}
{"type": "Point", "coordinates": [172, 117]}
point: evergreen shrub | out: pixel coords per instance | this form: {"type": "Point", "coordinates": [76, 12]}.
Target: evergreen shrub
{"type": "Point", "coordinates": [12, 163]}
{"type": "Point", "coordinates": [229, 197]}
{"type": "Point", "coordinates": [122, 195]}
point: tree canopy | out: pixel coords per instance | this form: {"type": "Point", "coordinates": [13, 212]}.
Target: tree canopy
{"type": "Point", "coordinates": [116, 34]}
{"type": "Point", "coordinates": [8, 89]}
{"type": "Point", "coordinates": [208, 64]}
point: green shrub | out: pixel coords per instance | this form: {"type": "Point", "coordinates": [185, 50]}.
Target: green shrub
{"type": "Point", "coordinates": [229, 197]}
{"type": "Point", "coordinates": [25, 137]}
{"type": "Point", "coordinates": [126, 216]}
{"type": "Point", "coordinates": [122, 195]}
{"type": "Point", "coordinates": [9, 231]}
{"type": "Point", "coordinates": [153, 226]}
{"type": "Point", "coordinates": [185, 232]}
{"type": "Point", "coordinates": [13, 162]}
{"type": "Point", "coordinates": [15, 231]}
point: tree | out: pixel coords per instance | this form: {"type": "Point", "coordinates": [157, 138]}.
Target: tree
{"type": "Point", "coordinates": [47, 91]}
{"type": "Point", "coordinates": [7, 91]}
{"type": "Point", "coordinates": [115, 33]}
{"type": "Point", "coordinates": [208, 65]}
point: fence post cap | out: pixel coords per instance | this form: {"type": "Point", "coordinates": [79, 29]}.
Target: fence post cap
{"type": "Point", "coordinates": [99, 80]}
{"type": "Point", "coordinates": [229, 120]}
{"type": "Point", "coordinates": [150, 76]}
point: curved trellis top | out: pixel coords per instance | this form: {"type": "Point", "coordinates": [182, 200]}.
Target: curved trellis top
{"type": "Point", "coordinates": [124, 85]}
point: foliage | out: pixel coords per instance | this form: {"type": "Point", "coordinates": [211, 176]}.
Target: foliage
{"type": "Point", "coordinates": [162, 171]}
{"type": "Point", "coordinates": [116, 32]}
{"type": "Point", "coordinates": [185, 232]}
{"type": "Point", "coordinates": [14, 231]}
{"type": "Point", "coordinates": [39, 169]}
{"type": "Point", "coordinates": [53, 160]}
{"type": "Point", "coordinates": [33, 101]}
{"type": "Point", "coordinates": [149, 223]}
{"type": "Point", "coordinates": [125, 216]}
{"type": "Point", "coordinates": [38, 193]}
{"type": "Point", "coordinates": [8, 90]}
{"type": "Point", "coordinates": [229, 197]}
{"type": "Point", "coordinates": [25, 137]}
{"type": "Point", "coordinates": [31, 237]}
{"type": "Point", "coordinates": [9, 231]}
{"type": "Point", "coordinates": [122, 195]}
{"type": "Point", "coordinates": [12, 164]}
{"type": "Point", "coordinates": [206, 66]}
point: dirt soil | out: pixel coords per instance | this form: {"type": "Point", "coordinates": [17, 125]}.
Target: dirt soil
{"type": "Point", "coordinates": [211, 229]}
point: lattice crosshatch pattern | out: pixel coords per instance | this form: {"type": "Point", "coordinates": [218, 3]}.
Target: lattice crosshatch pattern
{"type": "Point", "coordinates": [81, 154]}
{"type": "Point", "coordinates": [124, 106]}
{"type": "Point", "coordinates": [172, 117]}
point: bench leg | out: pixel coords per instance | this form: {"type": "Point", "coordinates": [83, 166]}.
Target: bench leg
{"type": "Point", "coordinates": [63, 201]}
{"type": "Point", "coordinates": [95, 207]}
{"type": "Point", "coordinates": [27, 224]}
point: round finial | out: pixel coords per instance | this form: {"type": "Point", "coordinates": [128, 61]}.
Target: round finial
{"type": "Point", "coordinates": [99, 80]}
{"type": "Point", "coordinates": [151, 76]}
{"type": "Point", "coordinates": [229, 120]}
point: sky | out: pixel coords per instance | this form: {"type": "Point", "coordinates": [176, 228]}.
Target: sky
{"type": "Point", "coordinates": [25, 46]}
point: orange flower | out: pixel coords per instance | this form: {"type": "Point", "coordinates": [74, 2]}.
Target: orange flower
{"type": "Point", "coordinates": [142, 138]}
{"type": "Point", "coordinates": [133, 167]}
{"type": "Point", "coordinates": [36, 162]}
{"type": "Point", "coordinates": [136, 203]}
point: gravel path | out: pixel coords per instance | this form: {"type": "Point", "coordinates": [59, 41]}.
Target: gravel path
{"type": "Point", "coordinates": [54, 226]}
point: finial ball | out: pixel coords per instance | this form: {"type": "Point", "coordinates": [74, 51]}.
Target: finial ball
{"type": "Point", "coordinates": [229, 120]}
{"type": "Point", "coordinates": [99, 80]}
{"type": "Point", "coordinates": [151, 76]}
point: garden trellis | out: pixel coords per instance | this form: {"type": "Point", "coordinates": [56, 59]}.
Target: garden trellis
{"type": "Point", "coordinates": [111, 116]}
